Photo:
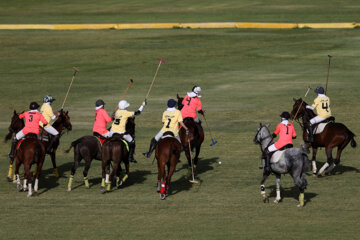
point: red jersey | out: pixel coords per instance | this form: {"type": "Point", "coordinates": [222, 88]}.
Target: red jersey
{"type": "Point", "coordinates": [286, 134]}
{"type": "Point", "coordinates": [191, 106]}
{"type": "Point", "coordinates": [32, 119]}
{"type": "Point", "coordinates": [101, 119]}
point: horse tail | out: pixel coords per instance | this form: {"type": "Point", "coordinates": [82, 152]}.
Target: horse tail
{"type": "Point", "coordinates": [73, 144]}
{"type": "Point", "coordinates": [306, 163]}
{"type": "Point", "coordinates": [351, 135]}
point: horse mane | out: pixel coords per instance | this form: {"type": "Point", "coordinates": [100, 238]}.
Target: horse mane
{"type": "Point", "coordinates": [179, 104]}
{"type": "Point", "coordinates": [130, 126]}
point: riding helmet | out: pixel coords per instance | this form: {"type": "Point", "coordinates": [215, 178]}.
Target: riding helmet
{"type": "Point", "coordinates": [197, 90]}
{"type": "Point", "coordinates": [99, 103]}
{"type": "Point", "coordinates": [319, 90]}
{"type": "Point", "coordinates": [34, 106]}
{"type": "Point", "coordinates": [171, 103]}
{"type": "Point", "coordinates": [48, 98]}
{"type": "Point", "coordinates": [285, 115]}
{"type": "Point", "coordinates": [123, 104]}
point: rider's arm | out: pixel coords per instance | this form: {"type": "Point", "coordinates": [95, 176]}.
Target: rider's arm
{"type": "Point", "coordinates": [309, 107]}
{"type": "Point", "coordinates": [183, 125]}
{"type": "Point", "coordinates": [140, 108]}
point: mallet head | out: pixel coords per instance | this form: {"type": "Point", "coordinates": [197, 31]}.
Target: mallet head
{"type": "Point", "coordinates": [213, 143]}
{"type": "Point", "coordinates": [329, 56]}
{"type": "Point", "coordinates": [162, 60]}
{"type": "Point", "coordinates": [75, 70]}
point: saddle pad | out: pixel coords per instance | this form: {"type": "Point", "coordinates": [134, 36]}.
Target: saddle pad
{"type": "Point", "coordinates": [101, 140]}
{"type": "Point", "coordinates": [167, 136]}
{"type": "Point", "coordinates": [319, 128]}
{"type": "Point", "coordinates": [19, 143]}
{"type": "Point", "coordinates": [276, 156]}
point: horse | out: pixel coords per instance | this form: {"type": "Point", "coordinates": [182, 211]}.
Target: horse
{"type": "Point", "coordinates": [89, 148]}
{"type": "Point", "coordinates": [30, 151]}
{"type": "Point", "coordinates": [167, 153]}
{"type": "Point", "coordinates": [196, 137]}
{"type": "Point", "coordinates": [293, 161]}
{"type": "Point", "coordinates": [117, 150]}
{"type": "Point", "coordinates": [333, 135]}
{"type": "Point", "coordinates": [61, 123]}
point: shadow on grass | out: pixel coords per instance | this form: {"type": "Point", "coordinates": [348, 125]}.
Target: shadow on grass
{"type": "Point", "coordinates": [291, 192]}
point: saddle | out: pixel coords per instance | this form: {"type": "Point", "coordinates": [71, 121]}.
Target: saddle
{"type": "Point", "coordinates": [29, 135]}
{"type": "Point", "coordinates": [319, 127]}
{"type": "Point", "coordinates": [276, 156]}
{"type": "Point", "coordinates": [44, 135]}
{"type": "Point", "coordinates": [100, 138]}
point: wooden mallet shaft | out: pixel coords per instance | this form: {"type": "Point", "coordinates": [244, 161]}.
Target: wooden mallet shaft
{"type": "Point", "coordinates": [152, 83]}
{"type": "Point", "coordinates": [72, 80]}
{"type": "Point", "coordinates": [327, 78]}
{"type": "Point", "coordinates": [124, 94]}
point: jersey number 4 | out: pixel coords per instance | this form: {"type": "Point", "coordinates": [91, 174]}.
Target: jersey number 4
{"type": "Point", "coordinates": [325, 106]}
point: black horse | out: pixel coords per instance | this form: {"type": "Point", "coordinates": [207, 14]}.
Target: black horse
{"type": "Point", "coordinates": [89, 148]}
{"type": "Point", "coordinates": [196, 137]}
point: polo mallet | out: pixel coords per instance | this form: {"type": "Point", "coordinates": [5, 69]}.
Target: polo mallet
{"type": "Point", "coordinates": [124, 94]}
{"type": "Point", "coordinates": [192, 165]}
{"type": "Point", "coordinates": [327, 78]}
{"type": "Point", "coordinates": [213, 142]}
{"type": "Point", "coordinates": [309, 87]}
{"type": "Point", "coordinates": [152, 83]}
{"type": "Point", "coordinates": [72, 80]}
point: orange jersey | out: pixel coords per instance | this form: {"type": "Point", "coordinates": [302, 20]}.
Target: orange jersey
{"type": "Point", "coordinates": [191, 106]}
{"type": "Point", "coordinates": [286, 134]}
{"type": "Point", "coordinates": [101, 119]}
{"type": "Point", "coordinates": [32, 119]}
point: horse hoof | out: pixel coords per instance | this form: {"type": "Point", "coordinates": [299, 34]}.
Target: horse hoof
{"type": "Point", "coordinates": [35, 194]}
{"type": "Point", "coordinates": [266, 200]}
{"type": "Point", "coordinates": [162, 196]}
{"type": "Point", "coordinates": [276, 201]}
{"type": "Point", "coordinates": [9, 179]}
{"type": "Point", "coordinates": [102, 189]}
{"type": "Point", "coordinates": [29, 195]}
{"type": "Point", "coordinates": [69, 189]}
{"type": "Point", "coordinates": [20, 188]}
{"type": "Point", "coordinates": [299, 206]}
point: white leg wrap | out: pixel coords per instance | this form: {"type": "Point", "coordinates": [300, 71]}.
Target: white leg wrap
{"type": "Point", "coordinates": [278, 197]}
{"type": "Point", "coordinates": [18, 179]}
{"type": "Point", "coordinates": [107, 178]}
{"type": "Point", "coordinates": [25, 184]}
{"type": "Point", "coordinates": [36, 185]}
{"type": "Point", "coordinates": [30, 190]}
{"type": "Point", "coordinates": [330, 168]}
{"type": "Point", "coordinates": [323, 168]}
{"type": "Point", "coordinates": [314, 166]}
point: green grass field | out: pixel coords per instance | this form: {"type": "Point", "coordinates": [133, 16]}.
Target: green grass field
{"type": "Point", "coordinates": [247, 76]}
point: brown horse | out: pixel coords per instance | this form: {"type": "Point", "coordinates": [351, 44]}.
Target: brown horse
{"type": "Point", "coordinates": [114, 149]}
{"type": "Point", "coordinates": [63, 122]}
{"type": "Point", "coordinates": [167, 153]}
{"type": "Point", "coordinates": [196, 136]}
{"type": "Point", "coordinates": [30, 151]}
{"type": "Point", "coordinates": [89, 148]}
{"type": "Point", "coordinates": [333, 135]}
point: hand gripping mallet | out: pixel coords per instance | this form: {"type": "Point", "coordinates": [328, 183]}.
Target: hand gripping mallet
{"type": "Point", "coordinates": [124, 94]}
{"type": "Point", "coordinates": [192, 165]}
{"type": "Point", "coordinates": [309, 87]}
{"type": "Point", "coordinates": [327, 78]}
{"type": "Point", "coordinates": [213, 142]}
{"type": "Point", "coordinates": [72, 80]}
{"type": "Point", "coordinates": [152, 83]}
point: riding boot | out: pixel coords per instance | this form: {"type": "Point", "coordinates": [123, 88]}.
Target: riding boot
{"type": "Point", "coordinates": [153, 143]}
{"type": "Point", "coordinates": [310, 135]}
{"type": "Point", "coordinates": [267, 169]}
{"type": "Point", "coordinates": [50, 148]}
{"type": "Point", "coordinates": [131, 152]}
{"type": "Point", "coordinates": [13, 147]}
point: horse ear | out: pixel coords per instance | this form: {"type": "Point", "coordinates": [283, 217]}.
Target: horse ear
{"type": "Point", "coordinates": [177, 95]}
{"type": "Point", "coordinates": [14, 112]}
{"type": "Point", "coordinates": [66, 112]}
{"type": "Point", "coordinates": [294, 99]}
{"type": "Point", "coordinates": [260, 125]}
{"type": "Point", "coordinates": [268, 125]}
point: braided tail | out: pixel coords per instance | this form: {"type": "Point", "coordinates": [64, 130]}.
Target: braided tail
{"type": "Point", "coordinates": [351, 135]}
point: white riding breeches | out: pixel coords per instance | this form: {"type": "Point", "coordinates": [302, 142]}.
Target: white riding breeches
{"type": "Point", "coordinates": [316, 119]}
{"type": "Point", "coordinates": [107, 134]}
{"type": "Point", "coordinates": [160, 134]}
{"type": "Point", "coordinates": [127, 137]}
{"type": "Point", "coordinates": [19, 135]}
{"type": "Point", "coordinates": [52, 130]}
{"type": "Point", "coordinates": [272, 148]}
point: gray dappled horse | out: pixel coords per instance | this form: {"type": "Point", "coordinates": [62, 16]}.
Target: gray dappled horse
{"type": "Point", "coordinates": [293, 161]}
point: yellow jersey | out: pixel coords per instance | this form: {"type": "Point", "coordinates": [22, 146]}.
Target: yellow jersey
{"type": "Point", "coordinates": [322, 106]}
{"type": "Point", "coordinates": [47, 112]}
{"type": "Point", "coordinates": [121, 117]}
{"type": "Point", "coordinates": [171, 120]}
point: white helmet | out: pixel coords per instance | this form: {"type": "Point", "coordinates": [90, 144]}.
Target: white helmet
{"type": "Point", "coordinates": [197, 91]}
{"type": "Point", "coordinates": [123, 104]}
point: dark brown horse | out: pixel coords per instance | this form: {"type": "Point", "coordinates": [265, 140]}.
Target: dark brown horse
{"type": "Point", "coordinates": [333, 135]}
{"type": "Point", "coordinates": [196, 136]}
{"type": "Point", "coordinates": [167, 153]}
{"type": "Point", "coordinates": [114, 149]}
{"type": "Point", "coordinates": [31, 151]}
{"type": "Point", "coordinates": [63, 122]}
{"type": "Point", "coordinates": [89, 148]}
